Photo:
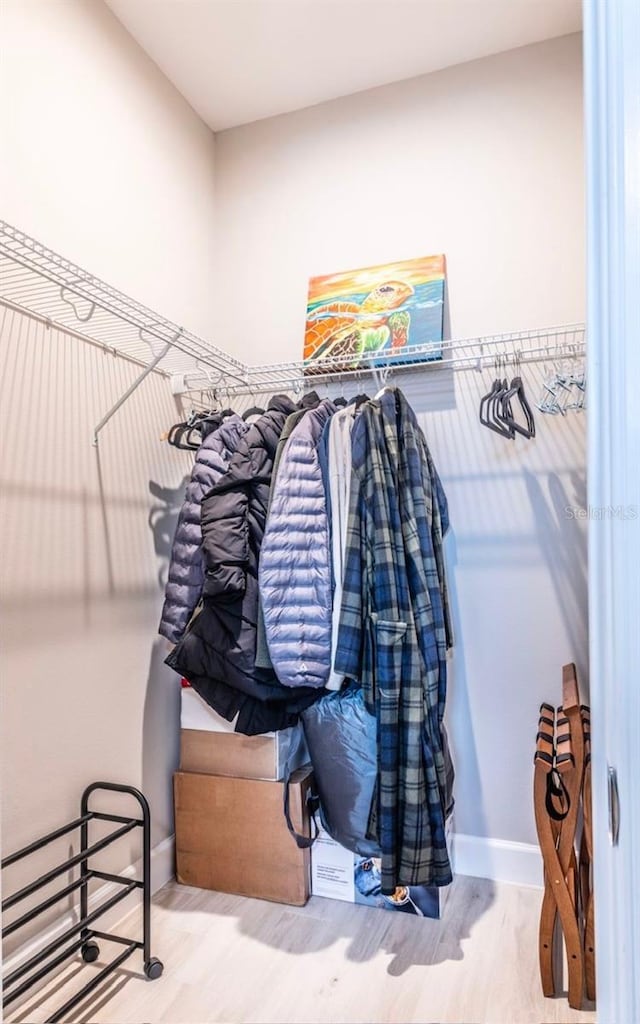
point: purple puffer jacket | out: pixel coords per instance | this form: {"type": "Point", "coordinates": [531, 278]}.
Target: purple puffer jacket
{"type": "Point", "coordinates": [186, 569]}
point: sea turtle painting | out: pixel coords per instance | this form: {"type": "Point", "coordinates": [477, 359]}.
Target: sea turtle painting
{"type": "Point", "coordinates": [374, 311]}
{"type": "Point", "coordinates": [351, 328]}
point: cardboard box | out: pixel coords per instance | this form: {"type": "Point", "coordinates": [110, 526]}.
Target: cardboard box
{"type": "Point", "coordinates": [242, 757]}
{"type": "Point", "coordinates": [231, 835]}
{"type": "Point", "coordinates": [208, 744]}
{"type": "Point", "coordinates": [339, 874]}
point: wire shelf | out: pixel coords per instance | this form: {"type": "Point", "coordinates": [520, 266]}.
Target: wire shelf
{"type": "Point", "coordinates": [38, 280]}
{"type": "Point", "coordinates": [41, 283]}
{"type": "Point", "coordinates": [498, 350]}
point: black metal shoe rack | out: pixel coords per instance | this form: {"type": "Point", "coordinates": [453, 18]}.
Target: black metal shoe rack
{"type": "Point", "coordinates": [82, 935]}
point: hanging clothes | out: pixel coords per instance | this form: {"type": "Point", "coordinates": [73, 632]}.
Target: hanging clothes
{"type": "Point", "coordinates": [393, 635]}
{"type": "Point", "coordinates": [186, 567]}
{"type": "Point", "coordinates": [310, 401]}
{"type": "Point", "coordinates": [217, 653]}
{"type": "Point", "coordinates": [295, 572]}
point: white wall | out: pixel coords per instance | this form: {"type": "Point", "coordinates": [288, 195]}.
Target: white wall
{"type": "Point", "coordinates": [86, 534]}
{"type": "Point", "coordinates": [482, 162]}
{"type": "Point", "coordinates": [103, 161]}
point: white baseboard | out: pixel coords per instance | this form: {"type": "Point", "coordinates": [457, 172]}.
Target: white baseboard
{"type": "Point", "coordinates": [162, 871]}
{"type": "Point", "coordinates": [163, 860]}
{"type": "Point", "coordinates": [497, 859]}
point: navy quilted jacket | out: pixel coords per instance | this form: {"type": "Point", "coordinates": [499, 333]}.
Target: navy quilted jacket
{"type": "Point", "coordinates": [186, 570]}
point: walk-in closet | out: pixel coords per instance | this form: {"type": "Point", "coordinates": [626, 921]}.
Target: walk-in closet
{"type": "Point", "coordinates": [319, 586]}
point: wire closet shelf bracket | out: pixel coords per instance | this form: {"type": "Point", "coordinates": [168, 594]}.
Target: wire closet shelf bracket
{"type": "Point", "coordinates": [38, 282]}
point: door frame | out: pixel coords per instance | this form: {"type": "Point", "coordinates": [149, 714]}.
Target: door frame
{"type": "Point", "coordinates": [612, 93]}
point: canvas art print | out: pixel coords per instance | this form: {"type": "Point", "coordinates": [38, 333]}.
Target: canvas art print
{"type": "Point", "coordinates": [376, 311]}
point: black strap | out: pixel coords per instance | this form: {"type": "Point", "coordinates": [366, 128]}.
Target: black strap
{"type": "Point", "coordinates": [541, 755]}
{"type": "Point", "coordinates": [556, 790]}
{"type": "Point", "coordinates": [312, 801]}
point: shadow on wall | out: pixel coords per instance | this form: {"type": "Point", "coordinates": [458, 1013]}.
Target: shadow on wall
{"type": "Point", "coordinates": [108, 550]}
{"type": "Point", "coordinates": [437, 381]}
{"type": "Point", "coordinates": [563, 542]}
{"type": "Point", "coordinates": [463, 747]}
{"type": "Point", "coordinates": [161, 719]}
{"type": "Point", "coordinates": [163, 519]}
{"type": "Point", "coordinates": [160, 731]}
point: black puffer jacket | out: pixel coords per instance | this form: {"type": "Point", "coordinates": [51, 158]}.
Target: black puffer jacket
{"type": "Point", "coordinates": [217, 654]}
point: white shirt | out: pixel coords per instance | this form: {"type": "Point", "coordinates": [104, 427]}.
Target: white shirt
{"type": "Point", "coordinates": [340, 429]}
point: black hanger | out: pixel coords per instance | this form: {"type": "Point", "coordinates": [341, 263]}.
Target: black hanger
{"type": "Point", "coordinates": [492, 409]}
{"type": "Point", "coordinates": [487, 406]}
{"type": "Point", "coordinates": [517, 391]}
{"type": "Point", "coordinates": [255, 410]}
{"type": "Point", "coordinates": [309, 401]}
{"type": "Point", "coordinates": [484, 402]}
{"type": "Point", "coordinates": [340, 402]}
{"type": "Point", "coordinates": [501, 409]}
{"type": "Point", "coordinates": [179, 436]}
{"type": "Point", "coordinates": [359, 400]}
{"type": "Point", "coordinates": [187, 435]}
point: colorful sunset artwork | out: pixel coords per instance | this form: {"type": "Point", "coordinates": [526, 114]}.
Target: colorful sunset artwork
{"type": "Point", "coordinates": [376, 312]}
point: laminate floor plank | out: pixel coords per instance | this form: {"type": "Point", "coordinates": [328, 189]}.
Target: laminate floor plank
{"type": "Point", "coordinates": [230, 960]}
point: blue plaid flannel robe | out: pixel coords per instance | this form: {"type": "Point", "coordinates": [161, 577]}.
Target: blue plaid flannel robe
{"type": "Point", "coordinates": [394, 633]}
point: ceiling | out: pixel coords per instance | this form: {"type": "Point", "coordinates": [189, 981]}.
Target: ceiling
{"type": "Point", "coordinates": [237, 61]}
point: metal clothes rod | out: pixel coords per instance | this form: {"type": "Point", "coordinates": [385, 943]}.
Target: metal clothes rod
{"type": "Point", "coordinates": [47, 285]}
{"type": "Point", "coordinates": [481, 353]}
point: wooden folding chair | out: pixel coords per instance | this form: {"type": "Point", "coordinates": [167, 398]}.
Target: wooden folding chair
{"type": "Point", "coordinates": [570, 716]}
{"type": "Point", "coordinates": [557, 786]}
{"type": "Point", "coordinates": [586, 860]}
